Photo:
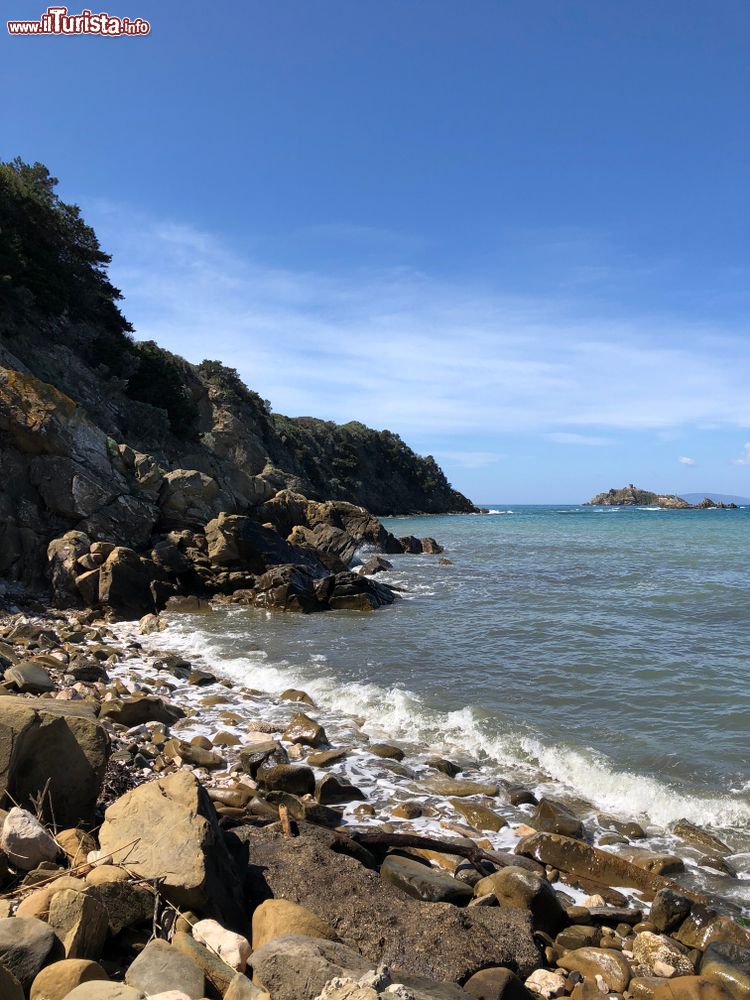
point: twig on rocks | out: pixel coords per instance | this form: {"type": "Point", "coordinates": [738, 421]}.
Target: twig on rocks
{"type": "Point", "coordinates": [474, 855]}
{"type": "Point", "coordinates": [286, 826]}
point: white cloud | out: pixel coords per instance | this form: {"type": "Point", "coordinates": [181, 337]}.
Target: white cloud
{"type": "Point", "coordinates": [567, 437]}
{"type": "Point", "coordinates": [744, 459]}
{"type": "Point", "coordinates": [396, 348]}
{"type": "Point", "coordinates": [684, 460]}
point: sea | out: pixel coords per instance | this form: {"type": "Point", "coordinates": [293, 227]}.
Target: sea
{"type": "Point", "coordinates": [599, 655]}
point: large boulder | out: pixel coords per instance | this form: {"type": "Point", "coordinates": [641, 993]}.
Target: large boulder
{"type": "Point", "coordinates": [55, 745]}
{"type": "Point", "coordinates": [376, 918]}
{"type": "Point", "coordinates": [63, 554]}
{"type": "Point", "coordinates": [295, 967]}
{"type": "Point", "coordinates": [172, 833]}
{"type": "Point", "coordinates": [26, 944]}
{"type": "Point", "coordinates": [125, 583]}
{"type": "Point", "coordinates": [187, 499]}
{"type": "Point", "coordinates": [240, 543]}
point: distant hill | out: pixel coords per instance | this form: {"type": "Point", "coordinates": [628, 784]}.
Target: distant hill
{"type": "Point", "coordinates": [717, 498]}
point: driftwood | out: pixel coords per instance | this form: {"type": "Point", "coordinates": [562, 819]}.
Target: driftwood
{"type": "Point", "coordinates": [474, 855]}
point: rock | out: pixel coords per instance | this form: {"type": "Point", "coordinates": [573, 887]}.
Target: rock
{"type": "Point", "coordinates": [589, 863]}
{"type": "Point", "coordinates": [139, 710]}
{"type": "Point", "coordinates": [353, 592]}
{"type": "Point", "coordinates": [425, 883]}
{"type": "Point", "coordinates": [104, 991]}
{"type": "Point", "coordinates": [299, 968]}
{"type": "Point", "coordinates": [322, 758]}
{"type": "Point", "coordinates": [302, 729]}
{"type": "Point", "coordinates": [654, 950]}
{"type": "Point", "coordinates": [29, 678]}
{"type": "Point", "coordinates": [10, 988]}
{"type": "Point", "coordinates": [80, 922]}
{"type": "Point", "coordinates": [291, 588]}
{"type": "Point", "coordinates": [127, 905]}
{"type": "Point", "coordinates": [496, 984]}
{"type": "Point", "coordinates": [578, 936]}
{"type": "Point", "coordinates": [386, 750]}
{"type": "Point", "coordinates": [26, 944]}
{"type": "Point", "coordinates": [553, 817]}
{"type": "Point", "coordinates": [161, 967]}
{"type": "Point", "coordinates": [516, 887]}
{"type": "Point", "coordinates": [604, 962]}
{"type": "Point", "coordinates": [431, 547]}
{"type": "Point", "coordinates": [330, 790]}
{"type": "Point", "coordinates": [691, 988]}
{"type": "Point", "coordinates": [25, 841]}
{"type": "Point", "coordinates": [689, 831]}
{"type": "Point", "coordinates": [63, 555]}
{"type": "Point", "coordinates": [704, 925]}
{"type": "Point", "coordinates": [125, 583]}
{"type": "Point", "coordinates": [280, 917]}
{"type": "Point", "coordinates": [669, 910]}
{"type": "Point", "coordinates": [54, 745]}
{"type": "Point", "coordinates": [545, 983]}
{"type": "Point", "coordinates": [375, 564]}
{"type": "Point", "coordinates": [728, 964]}
{"type": "Point", "coordinates": [217, 973]}
{"type": "Point", "coordinates": [659, 864]}
{"type": "Point", "coordinates": [375, 918]}
{"type": "Point", "coordinates": [480, 817]}
{"type": "Point", "coordinates": [234, 949]}
{"type": "Point", "coordinates": [56, 981]}
{"type": "Point", "coordinates": [196, 866]}
{"type": "Point", "coordinates": [241, 988]}
{"type": "Point", "coordinates": [187, 499]}
{"type": "Point", "coordinates": [292, 694]}
{"type": "Point", "coordinates": [76, 845]}
{"type": "Point", "coordinates": [451, 787]}
{"type": "Point", "coordinates": [37, 904]}
{"type": "Point", "coordinates": [296, 779]}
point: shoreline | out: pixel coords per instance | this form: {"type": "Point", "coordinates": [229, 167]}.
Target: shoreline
{"type": "Point", "coordinates": [270, 759]}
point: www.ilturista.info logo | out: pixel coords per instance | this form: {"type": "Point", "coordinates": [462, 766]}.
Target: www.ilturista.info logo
{"type": "Point", "coordinates": [57, 21]}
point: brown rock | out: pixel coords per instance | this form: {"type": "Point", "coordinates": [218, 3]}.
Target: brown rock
{"type": "Point", "coordinates": [80, 922]}
{"type": "Point", "coordinates": [195, 865]}
{"type": "Point", "coordinates": [280, 917]}
{"type": "Point", "coordinates": [692, 988]}
{"type": "Point", "coordinates": [604, 962]}
{"type": "Point", "coordinates": [496, 984]}
{"type": "Point", "coordinates": [56, 981]}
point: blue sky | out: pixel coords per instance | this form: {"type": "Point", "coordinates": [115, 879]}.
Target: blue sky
{"type": "Point", "coordinates": [516, 231]}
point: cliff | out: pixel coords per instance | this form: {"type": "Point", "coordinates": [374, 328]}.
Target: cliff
{"type": "Point", "coordinates": [121, 439]}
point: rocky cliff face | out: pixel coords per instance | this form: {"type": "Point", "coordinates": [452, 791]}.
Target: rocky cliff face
{"type": "Point", "coordinates": [125, 445]}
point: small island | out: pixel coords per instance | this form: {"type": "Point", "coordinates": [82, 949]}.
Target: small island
{"type": "Point", "coordinates": [631, 496]}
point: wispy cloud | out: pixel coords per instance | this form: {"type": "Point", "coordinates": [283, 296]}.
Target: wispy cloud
{"type": "Point", "coordinates": [684, 460]}
{"type": "Point", "coordinates": [398, 348]}
{"type": "Point", "coordinates": [570, 437]}
{"type": "Point", "coordinates": [744, 459]}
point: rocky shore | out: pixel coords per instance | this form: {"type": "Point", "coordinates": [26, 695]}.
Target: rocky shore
{"type": "Point", "coordinates": [169, 835]}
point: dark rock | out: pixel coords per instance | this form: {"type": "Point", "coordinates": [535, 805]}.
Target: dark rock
{"type": "Point", "coordinates": [496, 984]}
{"type": "Point", "coordinates": [160, 967]}
{"type": "Point", "coordinates": [375, 564]}
{"type": "Point", "coordinates": [52, 745]}
{"type": "Point", "coordinates": [669, 910]}
{"type": "Point", "coordinates": [26, 944]}
{"type": "Point", "coordinates": [330, 790]}
{"type": "Point", "coordinates": [298, 968]}
{"type": "Point", "coordinates": [729, 964]}
{"type": "Point", "coordinates": [124, 583]}
{"type": "Point", "coordinates": [297, 779]}
{"type": "Point", "coordinates": [146, 708]}
{"type": "Point", "coordinates": [376, 918]}
{"type": "Point", "coordinates": [553, 817]}
{"type": "Point", "coordinates": [424, 882]}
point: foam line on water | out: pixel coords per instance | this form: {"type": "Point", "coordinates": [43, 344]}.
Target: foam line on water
{"type": "Point", "coordinates": [400, 714]}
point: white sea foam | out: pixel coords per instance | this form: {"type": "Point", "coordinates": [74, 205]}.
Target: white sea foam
{"type": "Point", "coordinates": [400, 714]}
{"type": "Point", "coordinates": [501, 512]}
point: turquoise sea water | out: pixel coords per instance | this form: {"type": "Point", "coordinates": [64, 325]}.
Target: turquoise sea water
{"type": "Point", "coordinates": [603, 649]}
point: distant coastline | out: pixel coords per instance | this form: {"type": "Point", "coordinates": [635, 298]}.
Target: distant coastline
{"type": "Point", "coordinates": [632, 496]}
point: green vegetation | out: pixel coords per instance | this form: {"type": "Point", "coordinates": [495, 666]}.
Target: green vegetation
{"type": "Point", "coordinates": [157, 380]}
